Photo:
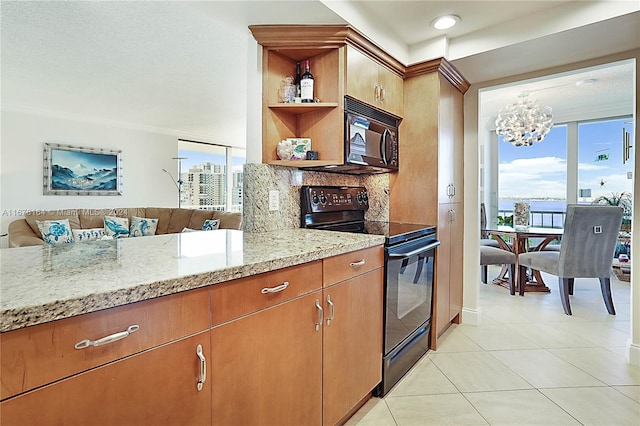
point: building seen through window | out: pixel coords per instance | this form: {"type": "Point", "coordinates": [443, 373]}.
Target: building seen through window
{"type": "Point", "coordinates": [212, 176]}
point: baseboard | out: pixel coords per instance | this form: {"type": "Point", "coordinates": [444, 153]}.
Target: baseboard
{"type": "Point", "coordinates": [471, 316]}
{"type": "Point", "coordinates": [633, 353]}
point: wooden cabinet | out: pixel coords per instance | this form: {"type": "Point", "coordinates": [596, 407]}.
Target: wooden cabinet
{"type": "Point", "coordinates": [373, 83]}
{"type": "Point", "coordinates": [428, 187]}
{"type": "Point", "coordinates": [336, 73]}
{"type": "Point", "coordinates": [155, 387]}
{"type": "Point", "coordinates": [306, 358]}
{"type": "Point", "coordinates": [267, 367]}
{"type": "Point", "coordinates": [352, 344]}
{"type": "Point", "coordinates": [39, 355]}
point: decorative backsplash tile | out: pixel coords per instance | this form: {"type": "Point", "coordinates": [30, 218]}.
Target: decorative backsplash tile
{"type": "Point", "coordinates": [259, 179]}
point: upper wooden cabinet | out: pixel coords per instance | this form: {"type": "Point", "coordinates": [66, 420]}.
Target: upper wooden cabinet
{"type": "Point", "coordinates": [339, 67]}
{"type": "Point", "coordinates": [373, 83]}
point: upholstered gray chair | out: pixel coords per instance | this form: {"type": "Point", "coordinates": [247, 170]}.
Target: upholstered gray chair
{"type": "Point", "coordinates": [496, 256]}
{"type": "Point", "coordinates": [484, 235]}
{"type": "Point", "coordinates": [586, 251]}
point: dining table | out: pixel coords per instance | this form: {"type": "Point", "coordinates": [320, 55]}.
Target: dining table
{"type": "Point", "coordinates": [523, 240]}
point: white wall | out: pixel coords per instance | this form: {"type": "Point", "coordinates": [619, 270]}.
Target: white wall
{"type": "Point", "coordinates": [144, 155]}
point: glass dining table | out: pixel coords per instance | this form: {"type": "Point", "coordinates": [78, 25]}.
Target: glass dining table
{"type": "Point", "coordinates": [521, 241]}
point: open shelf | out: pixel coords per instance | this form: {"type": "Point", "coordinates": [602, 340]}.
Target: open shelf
{"type": "Point", "coordinates": [303, 108]}
{"type": "Point", "coordinates": [303, 163]}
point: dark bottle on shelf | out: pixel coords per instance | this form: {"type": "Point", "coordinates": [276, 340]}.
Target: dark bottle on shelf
{"type": "Point", "coordinates": [306, 84]}
{"type": "Point", "coordinates": [297, 95]}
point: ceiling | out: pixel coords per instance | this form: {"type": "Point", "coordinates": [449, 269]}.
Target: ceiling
{"type": "Point", "coordinates": [181, 67]}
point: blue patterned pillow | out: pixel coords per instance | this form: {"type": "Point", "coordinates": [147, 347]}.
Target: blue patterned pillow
{"type": "Point", "coordinates": [142, 227]}
{"type": "Point", "coordinates": [211, 224]}
{"type": "Point", "coordinates": [93, 234]}
{"type": "Point", "coordinates": [116, 227]}
{"type": "Point", "coordinates": [55, 231]}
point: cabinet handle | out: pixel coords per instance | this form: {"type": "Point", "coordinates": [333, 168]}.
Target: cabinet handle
{"type": "Point", "coordinates": [108, 339]}
{"type": "Point", "coordinates": [359, 263]}
{"type": "Point", "coordinates": [320, 315]}
{"type": "Point", "coordinates": [331, 309]}
{"type": "Point", "coordinates": [203, 368]}
{"type": "Point", "coordinates": [452, 215]}
{"type": "Point", "coordinates": [376, 92]}
{"type": "Point", "coordinates": [382, 94]}
{"type": "Point", "coordinates": [281, 287]}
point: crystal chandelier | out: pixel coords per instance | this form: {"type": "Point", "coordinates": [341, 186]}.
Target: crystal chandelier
{"type": "Point", "coordinates": [524, 122]}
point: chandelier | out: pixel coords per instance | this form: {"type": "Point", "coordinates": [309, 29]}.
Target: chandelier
{"type": "Point", "coordinates": [524, 122]}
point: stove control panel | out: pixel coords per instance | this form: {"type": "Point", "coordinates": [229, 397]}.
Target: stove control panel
{"type": "Point", "coordinates": [315, 199]}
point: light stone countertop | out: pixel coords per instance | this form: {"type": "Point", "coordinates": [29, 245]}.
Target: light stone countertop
{"type": "Point", "coordinates": [41, 284]}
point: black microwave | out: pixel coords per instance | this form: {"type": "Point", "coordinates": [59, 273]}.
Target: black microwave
{"type": "Point", "coordinates": [371, 137]}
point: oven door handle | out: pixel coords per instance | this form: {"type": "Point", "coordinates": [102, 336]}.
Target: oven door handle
{"type": "Point", "coordinates": [414, 252]}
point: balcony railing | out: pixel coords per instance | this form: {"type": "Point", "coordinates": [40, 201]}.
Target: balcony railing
{"type": "Point", "coordinates": [541, 218]}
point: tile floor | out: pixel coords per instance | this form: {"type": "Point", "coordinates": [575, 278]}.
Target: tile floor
{"type": "Point", "coordinates": [526, 364]}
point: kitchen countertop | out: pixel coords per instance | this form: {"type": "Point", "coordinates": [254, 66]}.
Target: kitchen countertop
{"type": "Point", "coordinates": [41, 284]}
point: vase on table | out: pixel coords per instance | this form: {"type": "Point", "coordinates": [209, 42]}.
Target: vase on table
{"type": "Point", "coordinates": [521, 216]}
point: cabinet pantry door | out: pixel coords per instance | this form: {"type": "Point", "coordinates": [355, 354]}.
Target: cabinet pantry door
{"type": "Point", "coordinates": [267, 367]}
{"type": "Point", "coordinates": [157, 387]}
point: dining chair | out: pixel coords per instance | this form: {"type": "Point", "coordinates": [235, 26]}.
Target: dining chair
{"type": "Point", "coordinates": [485, 240]}
{"type": "Point", "coordinates": [496, 256]}
{"type": "Point", "coordinates": [586, 251]}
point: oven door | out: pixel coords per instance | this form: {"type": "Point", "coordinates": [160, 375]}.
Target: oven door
{"type": "Point", "coordinates": [409, 288]}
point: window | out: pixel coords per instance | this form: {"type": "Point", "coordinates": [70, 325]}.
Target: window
{"type": "Point", "coordinates": [535, 174]}
{"type": "Point", "coordinates": [602, 170]}
{"type": "Point", "coordinates": [207, 184]}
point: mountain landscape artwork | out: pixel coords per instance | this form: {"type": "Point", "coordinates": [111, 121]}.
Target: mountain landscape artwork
{"type": "Point", "coordinates": [86, 171]}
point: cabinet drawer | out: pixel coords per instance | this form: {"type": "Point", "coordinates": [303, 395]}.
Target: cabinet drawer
{"type": "Point", "coordinates": [37, 355]}
{"type": "Point", "coordinates": [348, 265]}
{"type": "Point", "coordinates": [236, 298]}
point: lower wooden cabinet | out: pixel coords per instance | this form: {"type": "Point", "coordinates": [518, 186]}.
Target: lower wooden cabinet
{"type": "Point", "coordinates": [267, 367]}
{"type": "Point", "coordinates": [352, 343]}
{"type": "Point", "coordinates": [156, 387]}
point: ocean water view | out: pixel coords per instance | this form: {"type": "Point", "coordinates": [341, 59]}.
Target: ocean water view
{"type": "Point", "coordinates": [544, 213]}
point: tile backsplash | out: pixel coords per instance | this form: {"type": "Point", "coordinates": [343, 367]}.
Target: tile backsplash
{"type": "Point", "coordinates": [259, 179]}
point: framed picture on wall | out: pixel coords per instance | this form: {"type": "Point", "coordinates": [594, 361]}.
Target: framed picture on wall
{"type": "Point", "coordinates": [71, 170]}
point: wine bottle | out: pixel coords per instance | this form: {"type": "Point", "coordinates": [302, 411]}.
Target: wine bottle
{"type": "Point", "coordinates": [306, 84]}
{"type": "Point", "coordinates": [297, 95]}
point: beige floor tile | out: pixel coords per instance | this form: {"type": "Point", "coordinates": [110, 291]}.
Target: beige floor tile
{"type": "Point", "coordinates": [525, 407]}
{"type": "Point", "coordinates": [604, 365]}
{"type": "Point", "coordinates": [374, 413]}
{"type": "Point", "coordinates": [542, 369]}
{"type": "Point", "coordinates": [478, 371]}
{"type": "Point", "coordinates": [596, 406]}
{"type": "Point", "coordinates": [455, 340]}
{"type": "Point", "coordinates": [495, 338]}
{"type": "Point", "coordinates": [423, 379]}
{"type": "Point", "coordinates": [596, 332]}
{"type": "Point", "coordinates": [632, 392]}
{"type": "Point", "coordinates": [448, 409]}
{"type": "Point", "coordinates": [551, 336]}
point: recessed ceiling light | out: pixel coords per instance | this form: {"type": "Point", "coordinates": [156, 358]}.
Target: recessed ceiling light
{"type": "Point", "coordinates": [586, 82]}
{"type": "Point", "coordinates": [445, 22]}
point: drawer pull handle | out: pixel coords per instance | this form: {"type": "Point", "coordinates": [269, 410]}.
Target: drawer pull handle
{"type": "Point", "coordinates": [320, 315]}
{"type": "Point", "coordinates": [331, 309]}
{"type": "Point", "coordinates": [268, 290]}
{"type": "Point", "coordinates": [203, 367]}
{"type": "Point", "coordinates": [108, 339]}
{"type": "Point", "coordinates": [360, 263]}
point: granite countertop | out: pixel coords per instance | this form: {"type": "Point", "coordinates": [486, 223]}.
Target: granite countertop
{"type": "Point", "coordinates": [41, 284]}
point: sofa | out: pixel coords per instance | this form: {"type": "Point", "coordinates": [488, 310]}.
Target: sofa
{"type": "Point", "coordinates": [25, 232]}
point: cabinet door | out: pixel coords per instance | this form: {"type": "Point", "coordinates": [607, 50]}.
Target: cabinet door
{"type": "Point", "coordinates": [456, 236]}
{"type": "Point", "coordinates": [267, 367]}
{"type": "Point", "coordinates": [352, 343]}
{"type": "Point", "coordinates": [391, 96]}
{"type": "Point", "coordinates": [362, 76]}
{"type": "Point", "coordinates": [443, 271]}
{"type": "Point", "coordinates": [450, 141]}
{"type": "Point", "coordinates": [156, 387]}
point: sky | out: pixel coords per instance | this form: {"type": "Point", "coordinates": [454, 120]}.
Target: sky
{"type": "Point", "coordinates": [540, 171]}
